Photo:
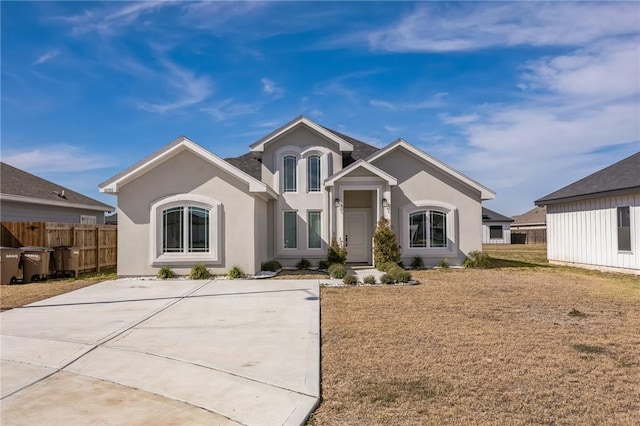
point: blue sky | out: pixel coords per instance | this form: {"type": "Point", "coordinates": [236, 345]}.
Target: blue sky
{"type": "Point", "coordinates": [523, 97]}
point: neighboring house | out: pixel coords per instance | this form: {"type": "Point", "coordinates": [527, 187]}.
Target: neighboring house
{"type": "Point", "coordinates": [496, 228]}
{"type": "Point", "coordinates": [530, 227]}
{"type": "Point", "coordinates": [111, 219]}
{"type": "Point", "coordinates": [299, 187]}
{"type": "Point", "coordinates": [28, 198]}
{"type": "Point", "coordinates": [595, 222]}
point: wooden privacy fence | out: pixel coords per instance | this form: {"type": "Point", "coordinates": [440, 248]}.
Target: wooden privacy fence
{"type": "Point", "coordinates": [98, 244]}
{"type": "Point", "coordinates": [529, 236]}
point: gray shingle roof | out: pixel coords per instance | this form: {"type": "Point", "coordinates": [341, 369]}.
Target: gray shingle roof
{"type": "Point", "coordinates": [491, 216]}
{"type": "Point", "coordinates": [623, 176]}
{"type": "Point", "coordinates": [535, 215]}
{"type": "Point", "coordinates": [14, 181]}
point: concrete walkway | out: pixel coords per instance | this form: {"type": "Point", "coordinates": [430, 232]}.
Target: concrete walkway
{"type": "Point", "coordinates": [178, 352]}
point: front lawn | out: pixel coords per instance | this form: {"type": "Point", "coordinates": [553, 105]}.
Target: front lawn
{"type": "Point", "coordinates": [525, 343]}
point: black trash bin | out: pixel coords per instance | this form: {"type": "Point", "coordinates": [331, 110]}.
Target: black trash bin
{"type": "Point", "coordinates": [67, 259]}
{"type": "Point", "coordinates": [9, 264]}
{"type": "Point", "coordinates": [35, 263]}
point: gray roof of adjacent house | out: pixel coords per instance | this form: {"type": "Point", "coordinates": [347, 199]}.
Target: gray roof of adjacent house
{"type": "Point", "coordinates": [537, 215]}
{"type": "Point", "coordinates": [30, 188]}
{"type": "Point", "coordinates": [111, 219]}
{"type": "Point", "coordinates": [619, 178]}
{"type": "Point", "coordinates": [251, 165]}
{"type": "Point", "coordinates": [491, 216]}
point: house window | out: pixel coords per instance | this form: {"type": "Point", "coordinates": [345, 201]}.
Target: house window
{"type": "Point", "coordinates": [624, 229]}
{"type": "Point", "coordinates": [185, 230]}
{"type": "Point", "coordinates": [427, 228]}
{"type": "Point", "coordinates": [314, 229]}
{"type": "Point", "coordinates": [290, 230]}
{"type": "Point", "coordinates": [290, 174]}
{"type": "Point", "coordinates": [495, 232]}
{"type": "Point", "coordinates": [313, 173]}
{"type": "Point", "coordinates": [88, 220]}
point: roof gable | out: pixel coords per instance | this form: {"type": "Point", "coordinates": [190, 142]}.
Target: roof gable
{"type": "Point", "coordinates": [537, 215]}
{"type": "Point", "coordinates": [491, 216]}
{"type": "Point", "coordinates": [179, 145]}
{"type": "Point", "coordinates": [485, 193]}
{"type": "Point", "coordinates": [361, 164]}
{"type": "Point", "coordinates": [620, 177]}
{"type": "Point", "coordinates": [343, 145]}
{"type": "Point", "coordinates": [18, 185]}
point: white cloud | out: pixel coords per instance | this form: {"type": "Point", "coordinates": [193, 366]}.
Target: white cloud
{"type": "Point", "coordinates": [46, 57]}
{"type": "Point", "coordinates": [435, 27]}
{"type": "Point", "coordinates": [57, 158]}
{"type": "Point", "coordinates": [228, 108]}
{"type": "Point", "coordinates": [458, 119]}
{"type": "Point", "coordinates": [271, 88]}
{"type": "Point", "coordinates": [393, 129]}
{"type": "Point", "coordinates": [383, 104]}
{"type": "Point", "coordinates": [434, 101]}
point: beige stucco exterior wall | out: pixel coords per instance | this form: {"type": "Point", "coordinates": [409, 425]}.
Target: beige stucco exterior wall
{"type": "Point", "coordinates": [419, 181]}
{"type": "Point", "coordinates": [241, 238]}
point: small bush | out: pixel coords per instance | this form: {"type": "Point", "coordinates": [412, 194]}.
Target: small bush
{"type": "Point", "coordinates": [444, 263]}
{"type": "Point", "coordinates": [369, 279]}
{"type": "Point", "coordinates": [477, 259]}
{"type": "Point", "coordinates": [323, 264]}
{"type": "Point", "coordinates": [350, 280]}
{"type": "Point", "coordinates": [271, 265]}
{"type": "Point", "coordinates": [387, 266]}
{"type": "Point", "coordinates": [385, 244]}
{"type": "Point", "coordinates": [303, 264]}
{"type": "Point", "coordinates": [199, 272]}
{"type": "Point", "coordinates": [576, 313]}
{"type": "Point", "coordinates": [337, 270]}
{"type": "Point", "coordinates": [417, 263]}
{"type": "Point", "coordinates": [336, 253]}
{"type": "Point", "coordinates": [166, 273]}
{"type": "Point", "coordinates": [402, 276]}
{"type": "Point", "coordinates": [387, 279]}
{"type": "Point", "coordinates": [235, 272]}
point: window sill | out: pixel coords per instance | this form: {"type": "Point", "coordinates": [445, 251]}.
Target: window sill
{"type": "Point", "coordinates": [185, 259]}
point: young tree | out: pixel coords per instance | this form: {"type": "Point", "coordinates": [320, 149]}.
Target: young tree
{"type": "Point", "coordinates": [385, 244]}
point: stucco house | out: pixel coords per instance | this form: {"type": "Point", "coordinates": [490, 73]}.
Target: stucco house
{"type": "Point", "coordinates": [298, 187]}
{"type": "Point", "coordinates": [496, 228]}
{"type": "Point", "coordinates": [595, 221]}
{"type": "Point", "coordinates": [28, 198]}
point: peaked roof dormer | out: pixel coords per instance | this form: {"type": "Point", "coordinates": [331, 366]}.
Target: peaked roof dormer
{"type": "Point", "coordinates": [258, 146]}
{"type": "Point", "coordinates": [364, 165]}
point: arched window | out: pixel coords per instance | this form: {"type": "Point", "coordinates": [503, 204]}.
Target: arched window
{"type": "Point", "coordinates": [313, 173]}
{"type": "Point", "coordinates": [290, 172]}
{"type": "Point", "coordinates": [427, 229]}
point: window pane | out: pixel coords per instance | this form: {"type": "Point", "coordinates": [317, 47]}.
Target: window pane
{"type": "Point", "coordinates": [438, 229]}
{"type": "Point", "coordinates": [624, 229]}
{"type": "Point", "coordinates": [495, 232]}
{"type": "Point", "coordinates": [172, 230]}
{"type": "Point", "coordinates": [315, 239]}
{"type": "Point", "coordinates": [313, 174]}
{"type": "Point", "coordinates": [290, 230]}
{"type": "Point", "coordinates": [418, 229]}
{"type": "Point", "coordinates": [198, 230]}
{"type": "Point", "coordinates": [290, 175]}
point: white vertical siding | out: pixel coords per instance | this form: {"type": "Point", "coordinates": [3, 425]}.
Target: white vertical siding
{"type": "Point", "coordinates": [586, 233]}
{"type": "Point", "coordinates": [506, 233]}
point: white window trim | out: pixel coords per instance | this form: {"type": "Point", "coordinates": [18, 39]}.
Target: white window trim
{"type": "Point", "coordinates": [321, 229]}
{"type": "Point", "coordinates": [88, 220]}
{"type": "Point", "coordinates": [284, 230]}
{"type": "Point", "coordinates": [450, 217]}
{"type": "Point", "coordinates": [185, 200]}
{"type": "Point", "coordinates": [297, 171]}
{"type": "Point", "coordinates": [306, 163]}
{"type": "Point", "coordinates": [630, 227]}
{"type": "Point", "coordinates": [501, 237]}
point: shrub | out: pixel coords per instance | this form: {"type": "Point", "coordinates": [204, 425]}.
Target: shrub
{"type": "Point", "coordinates": [387, 266]}
{"type": "Point", "coordinates": [417, 263]}
{"type": "Point", "coordinates": [199, 272]}
{"type": "Point", "coordinates": [323, 264]}
{"type": "Point", "coordinates": [387, 279]}
{"type": "Point", "coordinates": [444, 263]}
{"type": "Point", "coordinates": [235, 272]}
{"type": "Point", "coordinates": [369, 279]}
{"type": "Point", "coordinates": [337, 270]}
{"type": "Point", "coordinates": [402, 276]}
{"type": "Point", "coordinates": [385, 244]}
{"type": "Point", "coordinates": [303, 264]}
{"type": "Point", "coordinates": [336, 253]}
{"type": "Point", "coordinates": [350, 280]}
{"type": "Point", "coordinates": [271, 265]}
{"type": "Point", "coordinates": [165, 273]}
{"type": "Point", "coordinates": [477, 259]}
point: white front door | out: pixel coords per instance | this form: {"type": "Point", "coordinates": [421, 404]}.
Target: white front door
{"type": "Point", "coordinates": [356, 235]}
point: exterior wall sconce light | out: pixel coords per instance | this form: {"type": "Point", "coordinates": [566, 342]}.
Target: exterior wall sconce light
{"type": "Point", "coordinates": [385, 203]}
{"type": "Point", "coordinates": [336, 203]}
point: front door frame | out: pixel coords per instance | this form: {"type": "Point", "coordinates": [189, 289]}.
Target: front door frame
{"type": "Point", "coordinates": [368, 233]}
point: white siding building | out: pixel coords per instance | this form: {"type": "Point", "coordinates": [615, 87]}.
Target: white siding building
{"type": "Point", "coordinates": [496, 228]}
{"type": "Point", "coordinates": [595, 222]}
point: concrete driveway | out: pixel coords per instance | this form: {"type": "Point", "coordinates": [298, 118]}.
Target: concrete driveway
{"type": "Point", "coordinates": [141, 352]}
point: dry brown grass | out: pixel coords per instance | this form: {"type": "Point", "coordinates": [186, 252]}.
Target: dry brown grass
{"type": "Point", "coordinates": [13, 296]}
{"type": "Point", "coordinates": [512, 345]}
{"type": "Point", "coordinates": [305, 274]}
